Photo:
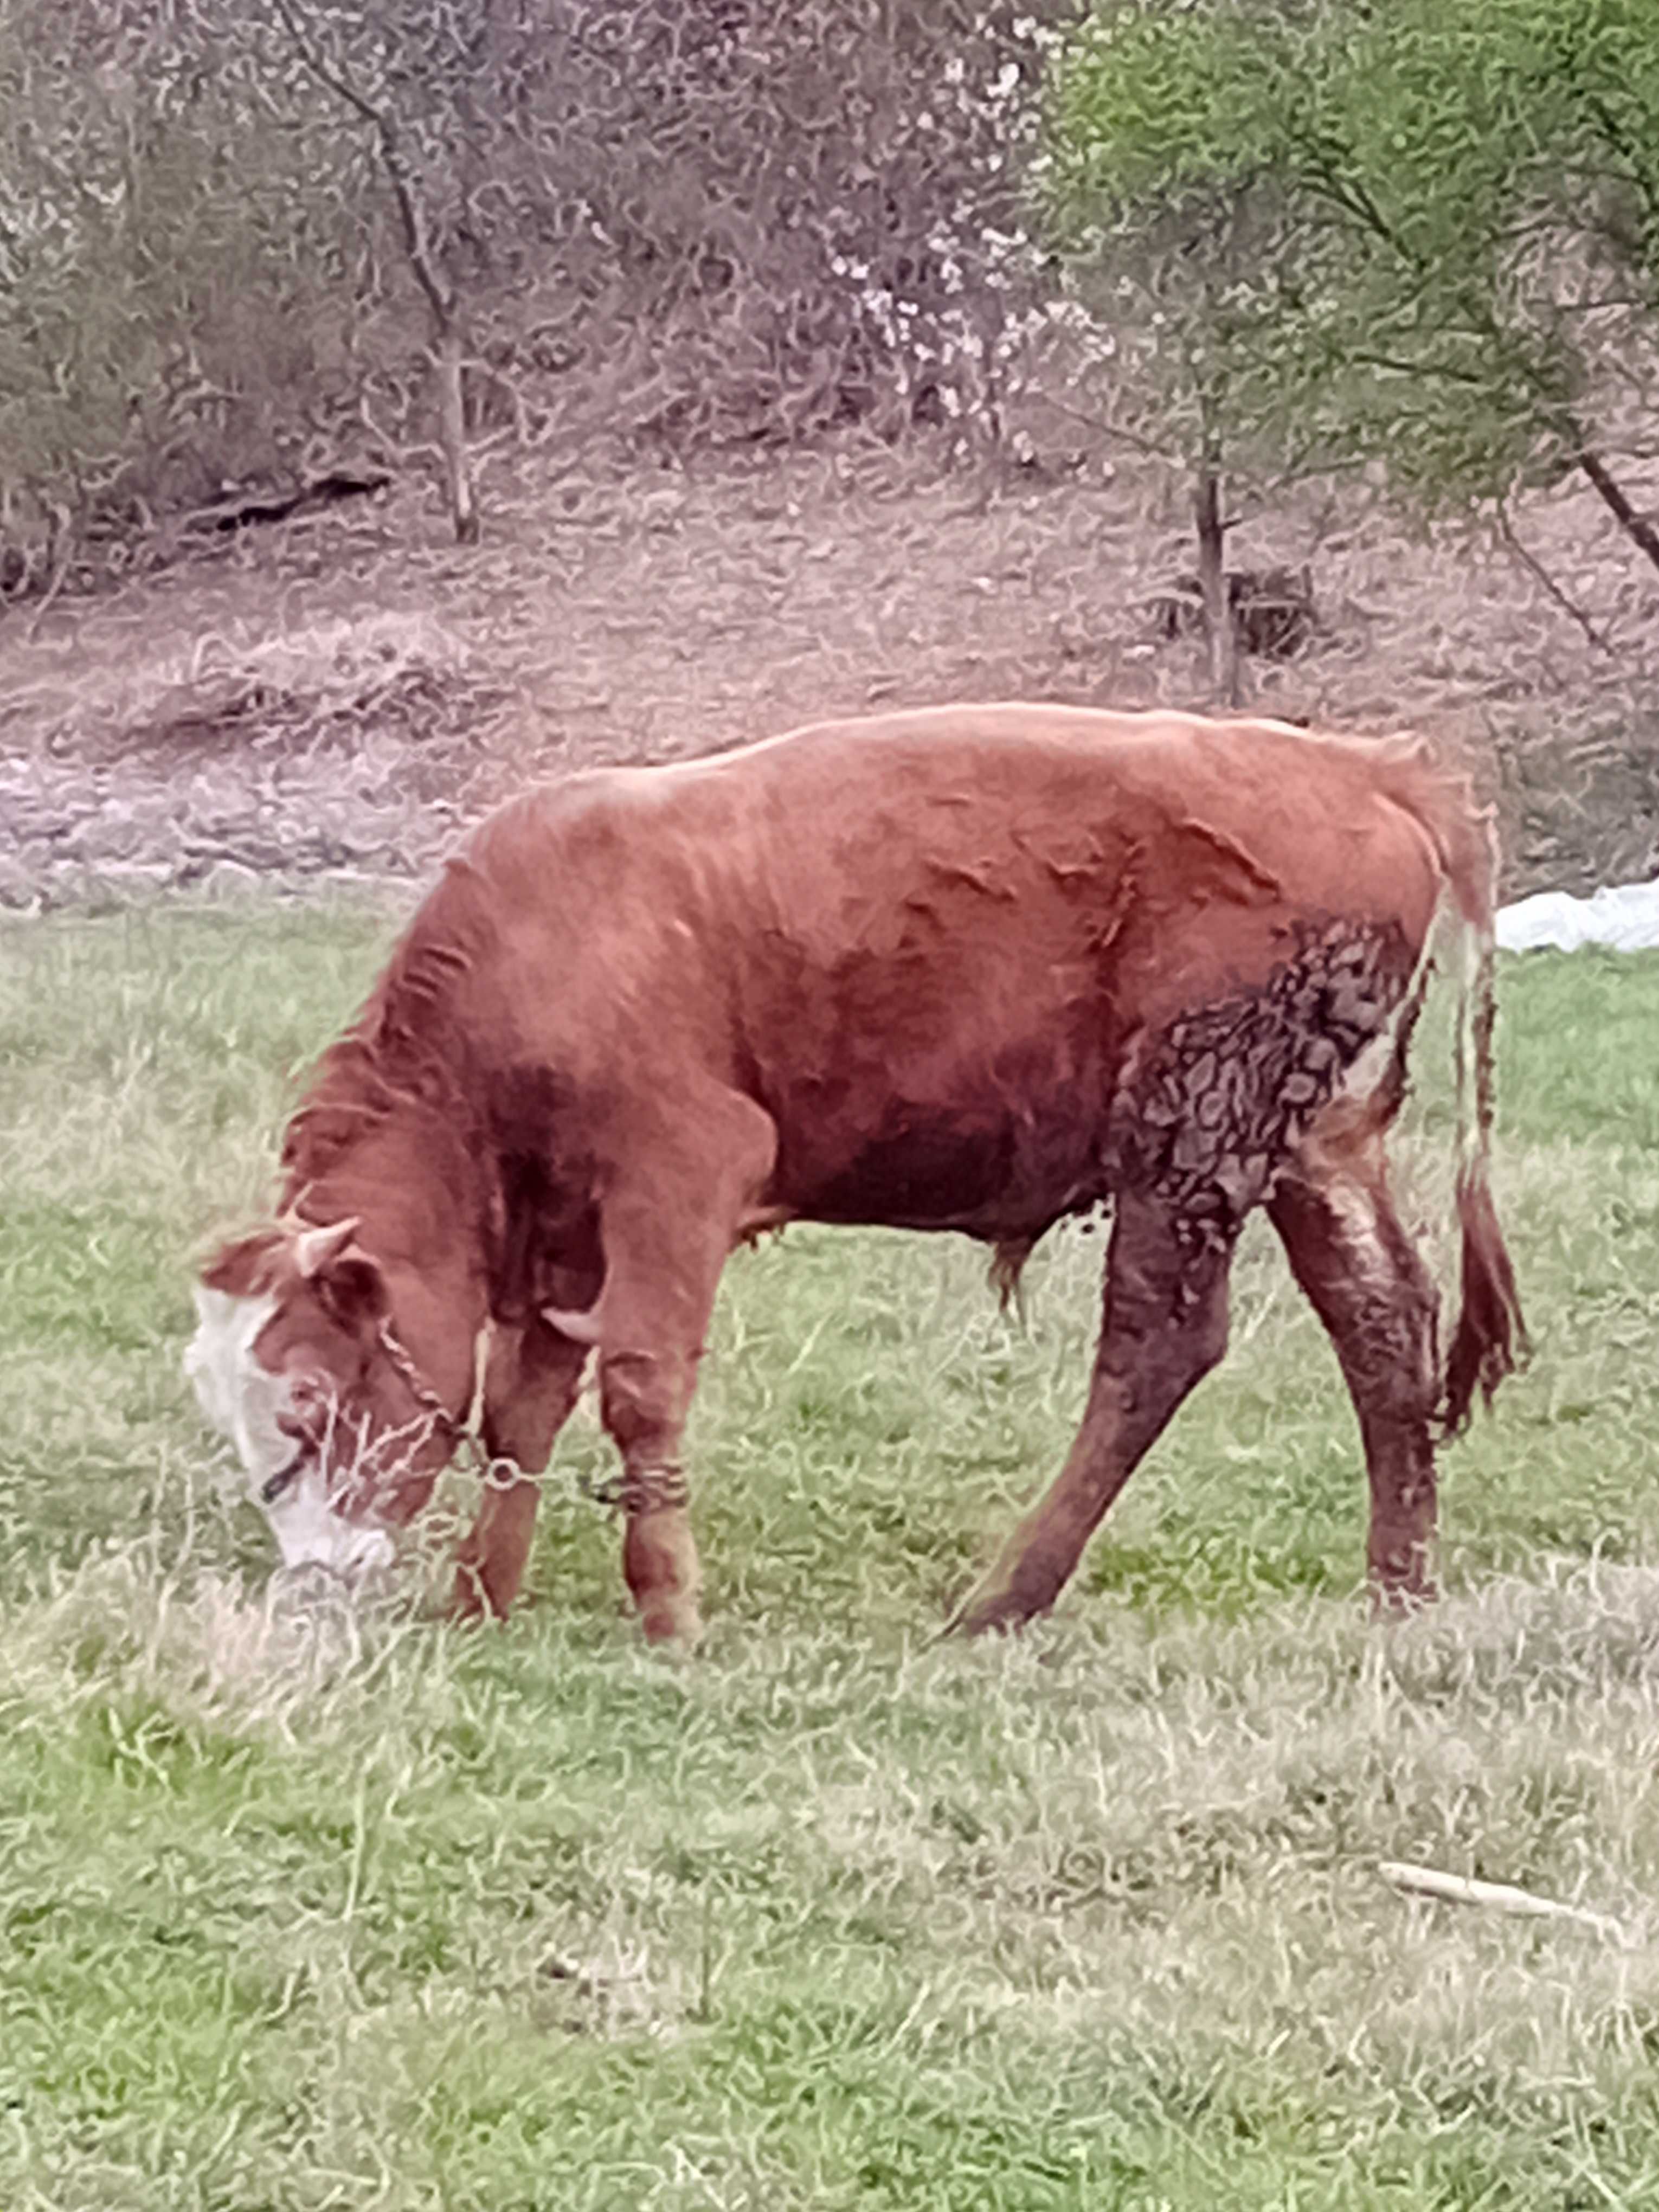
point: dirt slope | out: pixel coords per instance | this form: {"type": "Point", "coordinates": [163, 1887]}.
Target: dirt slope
{"type": "Point", "coordinates": [335, 696]}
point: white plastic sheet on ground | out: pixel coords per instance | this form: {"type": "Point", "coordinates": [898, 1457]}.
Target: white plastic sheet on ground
{"type": "Point", "coordinates": [1624, 917]}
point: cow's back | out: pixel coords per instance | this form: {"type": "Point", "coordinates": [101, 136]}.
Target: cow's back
{"type": "Point", "coordinates": [932, 944]}
{"type": "Point", "coordinates": [1329, 820]}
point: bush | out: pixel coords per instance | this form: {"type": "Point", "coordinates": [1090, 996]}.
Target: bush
{"type": "Point", "coordinates": [179, 263]}
{"type": "Point", "coordinates": [723, 221]}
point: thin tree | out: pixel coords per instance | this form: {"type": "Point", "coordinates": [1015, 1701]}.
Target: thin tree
{"type": "Point", "coordinates": [1472, 199]}
{"type": "Point", "coordinates": [1181, 247]}
{"type": "Point", "coordinates": [424, 254]}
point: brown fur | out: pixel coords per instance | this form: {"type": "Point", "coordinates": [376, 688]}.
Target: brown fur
{"type": "Point", "coordinates": [975, 969]}
{"type": "Point", "coordinates": [1491, 1338]}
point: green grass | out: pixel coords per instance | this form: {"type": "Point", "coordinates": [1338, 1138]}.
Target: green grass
{"type": "Point", "coordinates": [305, 1910]}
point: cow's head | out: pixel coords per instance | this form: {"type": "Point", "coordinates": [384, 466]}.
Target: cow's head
{"type": "Point", "coordinates": [291, 1361]}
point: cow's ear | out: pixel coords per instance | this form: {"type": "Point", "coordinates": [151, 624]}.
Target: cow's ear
{"type": "Point", "coordinates": [243, 1267]}
{"type": "Point", "coordinates": [353, 1289]}
{"type": "Point", "coordinates": [346, 1279]}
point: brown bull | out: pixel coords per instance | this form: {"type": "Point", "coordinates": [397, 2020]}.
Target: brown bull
{"type": "Point", "coordinates": [975, 969]}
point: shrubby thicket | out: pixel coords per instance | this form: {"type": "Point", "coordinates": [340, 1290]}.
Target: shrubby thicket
{"type": "Point", "coordinates": [230, 230]}
{"type": "Point", "coordinates": [242, 241]}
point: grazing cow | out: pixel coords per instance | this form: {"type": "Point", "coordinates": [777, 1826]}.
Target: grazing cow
{"type": "Point", "coordinates": [975, 968]}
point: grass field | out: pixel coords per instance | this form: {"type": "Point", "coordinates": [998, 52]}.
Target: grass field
{"type": "Point", "coordinates": [304, 1910]}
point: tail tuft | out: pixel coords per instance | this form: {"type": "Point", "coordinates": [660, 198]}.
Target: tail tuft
{"type": "Point", "coordinates": [1491, 1340]}
{"type": "Point", "coordinates": [1008, 1259]}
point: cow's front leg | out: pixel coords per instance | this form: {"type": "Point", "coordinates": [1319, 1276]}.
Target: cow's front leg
{"type": "Point", "coordinates": [531, 1384]}
{"type": "Point", "coordinates": [645, 1398]}
{"type": "Point", "coordinates": [667, 1228]}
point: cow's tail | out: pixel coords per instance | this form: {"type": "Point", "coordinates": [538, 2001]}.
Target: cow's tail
{"type": "Point", "coordinates": [1490, 1340]}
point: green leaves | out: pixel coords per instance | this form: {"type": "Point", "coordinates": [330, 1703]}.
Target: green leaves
{"type": "Point", "coordinates": [1147, 103]}
{"type": "Point", "coordinates": [1453, 216]}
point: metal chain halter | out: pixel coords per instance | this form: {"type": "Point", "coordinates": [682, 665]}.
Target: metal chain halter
{"type": "Point", "coordinates": [657, 1487]}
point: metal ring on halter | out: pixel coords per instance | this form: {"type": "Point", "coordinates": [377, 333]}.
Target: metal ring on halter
{"type": "Point", "coordinates": [660, 1486]}
{"type": "Point", "coordinates": [502, 1473]}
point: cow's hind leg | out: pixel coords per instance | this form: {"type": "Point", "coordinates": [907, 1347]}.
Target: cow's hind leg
{"type": "Point", "coordinates": [1352, 1255]}
{"type": "Point", "coordinates": [1165, 1327]}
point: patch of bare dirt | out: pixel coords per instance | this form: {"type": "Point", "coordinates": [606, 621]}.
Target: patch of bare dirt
{"type": "Point", "coordinates": [336, 696]}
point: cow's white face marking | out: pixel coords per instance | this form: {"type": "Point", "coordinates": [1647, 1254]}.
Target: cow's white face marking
{"type": "Point", "coordinates": [244, 1402]}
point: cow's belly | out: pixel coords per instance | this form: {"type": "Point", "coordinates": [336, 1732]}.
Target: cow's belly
{"type": "Point", "coordinates": [994, 1167]}
{"type": "Point", "coordinates": [1201, 1114]}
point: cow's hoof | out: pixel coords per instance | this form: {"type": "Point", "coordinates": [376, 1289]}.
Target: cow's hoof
{"type": "Point", "coordinates": [671, 1619]}
{"type": "Point", "coordinates": [1400, 1600]}
{"type": "Point", "coordinates": [472, 1599]}
{"type": "Point", "coordinates": [991, 1611]}
{"type": "Point", "coordinates": [988, 1620]}
{"type": "Point", "coordinates": [1019, 1589]}
{"type": "Point", "coordinates": [469, 1604]}
{"type": "Point", "coordinates": [659, 1565]}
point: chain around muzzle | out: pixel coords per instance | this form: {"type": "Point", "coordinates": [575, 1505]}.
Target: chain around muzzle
{"type": "Point", "coordinates": [660, 1486]}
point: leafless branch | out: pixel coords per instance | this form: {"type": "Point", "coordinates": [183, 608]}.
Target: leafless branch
{"type": "Point", "coordinates": [1495, 1896]}
{"type": "Point", "coordinates": [424, 259]}
{"type": "Point", "coordinates": [1637, 527]}
{"type": "Point", "coordinates": [1537, 570]}
{"type": "Point", "coordinates": [428, 273]}
{"type": "Point", "coordinates": [1106, 427]}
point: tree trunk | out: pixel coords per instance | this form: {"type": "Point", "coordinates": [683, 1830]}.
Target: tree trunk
{"type": "Point", "coordinates": [1636, 526]}
{"type": "Point", "coordinates": [452, 430]}
{"type": "Point", "coordinates": [1218, 625]}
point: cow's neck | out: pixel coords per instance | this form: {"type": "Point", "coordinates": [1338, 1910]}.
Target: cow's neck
{"type": "Point", "coordinates": [415, 1192]}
